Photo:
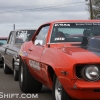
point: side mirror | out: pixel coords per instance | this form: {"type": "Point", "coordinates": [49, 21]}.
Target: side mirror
{"type": "Point", "coordinates": [38, 42]}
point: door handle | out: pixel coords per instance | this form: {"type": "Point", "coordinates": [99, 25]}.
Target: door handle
{"type": "Point", "coordinates": [30, 49]}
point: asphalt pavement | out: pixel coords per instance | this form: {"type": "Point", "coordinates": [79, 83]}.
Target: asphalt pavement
{"type": "Point", "coordinates": [9, 90]}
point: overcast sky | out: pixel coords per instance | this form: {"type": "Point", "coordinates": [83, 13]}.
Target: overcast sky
{"type": "Point", "coordinates": [33, 13]}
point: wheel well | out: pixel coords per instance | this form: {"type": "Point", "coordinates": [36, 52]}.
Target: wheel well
{"type": "Point", "coordinates": [13, 63]}
{"type": "Point", "coordinates": [51, 72]}
{"type": "Point", "coordinates": [2, 60]}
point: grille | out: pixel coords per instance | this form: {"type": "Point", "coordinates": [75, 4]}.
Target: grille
{"type": "Point", "coordinates": [78, 71]}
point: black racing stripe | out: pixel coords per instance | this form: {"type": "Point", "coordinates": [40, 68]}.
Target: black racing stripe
{"type": "Point", "coordinates": [97, 53]}
{"type": "Point", "coordinates": [91, 44]}
{"type": "Point", "coordinates": [92, 50]}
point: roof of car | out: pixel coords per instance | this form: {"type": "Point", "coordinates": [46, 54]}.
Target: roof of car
{"type": "Point", "coordinates": [3, 37]}
{"type": "Point", "coordinates": [21, 29]}
{"type": "Point", "coordinates": [58, 21]}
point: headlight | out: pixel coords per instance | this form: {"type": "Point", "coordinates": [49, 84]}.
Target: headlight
{"type": "Point", "coordinates": [91, 72]}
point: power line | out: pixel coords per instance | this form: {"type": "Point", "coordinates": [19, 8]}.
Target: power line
{"type": "Point", "coordinates": [42, 8]}
{"type": "Point", "coordinates": [35, 9]}
{"type": "Point", "coordinates": [42, 5]}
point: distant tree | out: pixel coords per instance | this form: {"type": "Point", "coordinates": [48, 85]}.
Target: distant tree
{"type": "Point", "coordinates": [93, 7]}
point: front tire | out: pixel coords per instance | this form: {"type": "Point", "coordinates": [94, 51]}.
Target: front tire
{"type": "Point", "coordinates": [58, 91]}
{"type": "Point", "coordinates": [26, 82]}
{"type": "Point", "coordinates": [7, 70]}
{"type": "Point", "coordinates": [1, 63]}
{"type": "Point", "coordinates": [16, 75]}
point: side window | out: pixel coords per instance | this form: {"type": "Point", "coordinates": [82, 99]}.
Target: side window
{"type": "Point", "coordinates": [41, 37]}
{"type": "Point", "coordinates": [10, 37]}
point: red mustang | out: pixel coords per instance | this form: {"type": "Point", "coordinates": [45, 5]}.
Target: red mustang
{"type": "Point", "coordinates": [64, 56]}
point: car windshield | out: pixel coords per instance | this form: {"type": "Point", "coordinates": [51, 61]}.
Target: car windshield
{"type": "Point", "coordinates": [3, 41]}
{"type": "Point", "coordinates": [73, 32]}
{"type": "Point", "coordinates": [24, 35]}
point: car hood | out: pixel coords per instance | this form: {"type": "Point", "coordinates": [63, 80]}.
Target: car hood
{"type": "Point", "coordinates": [82, 54]}
{"type": "Point", "coordinates": [17, 47]}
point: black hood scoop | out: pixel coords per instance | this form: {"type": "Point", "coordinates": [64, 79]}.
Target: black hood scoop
{"type": "Point", "coordinates": [91, 43]}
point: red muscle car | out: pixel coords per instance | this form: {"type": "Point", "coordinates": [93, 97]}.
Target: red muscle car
{"type": "Point", "coordinates": [64, 56]}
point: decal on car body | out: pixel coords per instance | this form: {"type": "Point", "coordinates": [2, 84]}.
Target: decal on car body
{"type": "Point", "coordinates": [60, 38]}
{"type": "Point", "coordinates": [25, 53]}
{"type": "Point", "coordinates": [62, 24]}
{"type": "Point", "coordinates": [34, 64]}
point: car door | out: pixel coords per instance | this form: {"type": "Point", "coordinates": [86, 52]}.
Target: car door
{"type": "Point", "coordinates": [36, 51]}
{"type": "Point", "coordinates": [6, 51]}
{"type": "Point", "coordinates": [9, 51]}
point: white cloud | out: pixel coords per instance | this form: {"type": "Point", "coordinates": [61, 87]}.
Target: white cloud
{"type": "Point", "coordinates": [35, 17]}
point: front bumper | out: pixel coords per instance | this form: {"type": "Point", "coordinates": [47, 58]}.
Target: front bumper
{"type": "Point", "coordinates": [80, 89]}
{"type": "Point", "coordinates": [87, 85]}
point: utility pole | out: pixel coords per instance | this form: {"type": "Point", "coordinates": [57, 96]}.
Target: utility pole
{"type": "Point", "coordinates": [91, 10]}
{"type": "Point", "coordinates": [13, 26]}
{"type": "Point", "coordinates": [90, 7]}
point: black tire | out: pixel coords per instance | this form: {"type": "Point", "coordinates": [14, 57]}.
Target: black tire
{"type": "Point", "coordinates": [7, 70]}
{"type": "Point", "coordinates": [1, 66]}
{"type": "Point", "coordinates": [1, 63]}
{"type": "Point", "coordinates": [16, 75]}
{"type": "Point", "coordinates": [64, 95]}
{"type": "Point", "coordinates": [26, 82]}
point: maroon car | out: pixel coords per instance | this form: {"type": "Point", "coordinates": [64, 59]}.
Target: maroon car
{"type": "Point", "coordinates": [3, 40]}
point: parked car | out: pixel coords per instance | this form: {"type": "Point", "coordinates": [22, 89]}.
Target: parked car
{"type": "Point", "coordinates": [10, 50]}
{"type": "Point", "coordinates": [70, 67]}
{"type": "Point", "coordinates": [3, 40]}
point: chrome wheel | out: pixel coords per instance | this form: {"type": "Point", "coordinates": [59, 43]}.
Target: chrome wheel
{"type": "Point", "coordinates": [4, 66]}
{"type": "Point", "coordinates": [21, 74]}
{"type": "Point", "coordinates": [58, 90]}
